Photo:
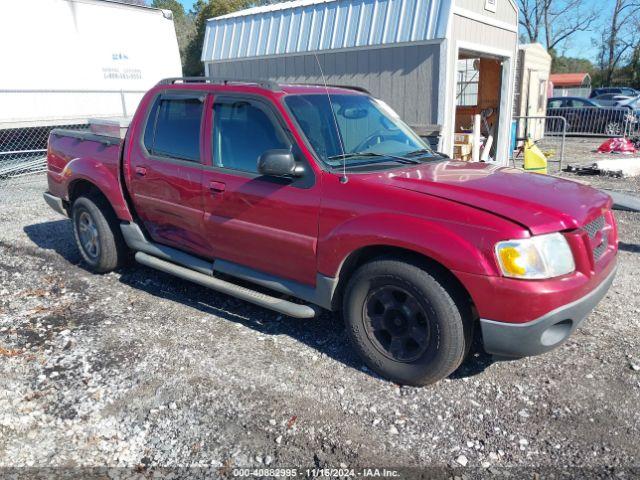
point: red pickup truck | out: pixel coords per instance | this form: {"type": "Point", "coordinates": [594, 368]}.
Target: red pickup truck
{"type": "Point", "coordinates": [321, 197]}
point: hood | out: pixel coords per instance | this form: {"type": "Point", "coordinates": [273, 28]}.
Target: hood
{"type": "Point", "coordinates": [541, 203]}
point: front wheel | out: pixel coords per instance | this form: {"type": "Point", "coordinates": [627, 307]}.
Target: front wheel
{"type": "Point", "coordinates": [404, 323]}
{"type": "Point", "coordinates": [97, 234]}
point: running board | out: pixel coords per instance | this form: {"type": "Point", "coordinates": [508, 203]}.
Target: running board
{"type": "Point", "coordinates": [277, 304]}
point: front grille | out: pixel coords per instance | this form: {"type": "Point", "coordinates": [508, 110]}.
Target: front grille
{"type": "Point", "coordinates": [592, 228]}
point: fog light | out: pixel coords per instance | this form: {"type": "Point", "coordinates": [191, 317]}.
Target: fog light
{"type": "Point", "coordinates": [556, 333]}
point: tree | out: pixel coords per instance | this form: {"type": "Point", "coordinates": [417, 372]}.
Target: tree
{"type": "Point", "coordinates": [553, 22]}
{"type": "Point", "coordinates": [531, 16]}
{"type": "Point", "coordinates": [173, 5]}
{"type": "Point", "coordinates": [619, 36]}
{"type": "Point", "coordinates": [183, 23]}
{"type": "Point", "coordinates": [202, 11]}
{"type": "Point", "coordinates": [632, 70]}
{"type": "Point", "coordinates": [564, 64]}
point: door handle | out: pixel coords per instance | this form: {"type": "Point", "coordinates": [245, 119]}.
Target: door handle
{"type": "Point", "coordinates": [217, 187]}
{"type": "Point", "coordinates": [141, 171]}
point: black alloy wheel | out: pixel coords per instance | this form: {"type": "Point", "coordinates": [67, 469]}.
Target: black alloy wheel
{"type": "Point", "coordinates": [396, 323]}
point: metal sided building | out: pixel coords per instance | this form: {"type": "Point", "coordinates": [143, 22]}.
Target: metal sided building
{"type": "Point", "coordinates": [436, 62]}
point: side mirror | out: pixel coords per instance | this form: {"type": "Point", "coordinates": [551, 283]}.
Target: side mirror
{"type": "Point", "coordinates": [277, 163]}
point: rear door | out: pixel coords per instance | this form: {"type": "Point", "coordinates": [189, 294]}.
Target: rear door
{"type": "Point", "coordinates": [166, 171]}
{"type": "Point", "coordinates": [267, 224]}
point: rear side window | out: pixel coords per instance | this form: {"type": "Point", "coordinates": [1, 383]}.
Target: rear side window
{"type": "Point", "coordinates": [173, 128]}
{"type": "Point", "coordinates": [242, 131]}
{"type": "Point", "coordinates": [554, 104]}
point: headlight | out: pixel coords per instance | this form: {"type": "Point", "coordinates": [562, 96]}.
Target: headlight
{"type": "Point", "coordinates": [544, 256]}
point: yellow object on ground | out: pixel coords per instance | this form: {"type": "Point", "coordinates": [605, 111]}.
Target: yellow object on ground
{"type": "Point", "coordinates": [534, 160]}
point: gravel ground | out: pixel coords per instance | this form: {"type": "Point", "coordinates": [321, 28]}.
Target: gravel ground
{"type": "Point", "coordinates": [583, 151]}
{"type": "Point", "coordinates": [139, 369]}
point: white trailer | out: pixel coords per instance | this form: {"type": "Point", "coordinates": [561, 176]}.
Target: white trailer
{"type": "Point", "coordinates": [63, 61]}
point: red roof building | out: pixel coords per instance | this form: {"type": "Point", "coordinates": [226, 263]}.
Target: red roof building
{"type": "Point", "coordinates": [570, 80]}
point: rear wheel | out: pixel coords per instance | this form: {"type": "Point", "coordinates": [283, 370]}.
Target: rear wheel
{"type": "Point", "coordinates": [97, 234]}
{"type": "Point", "coordinates": [405, 323]}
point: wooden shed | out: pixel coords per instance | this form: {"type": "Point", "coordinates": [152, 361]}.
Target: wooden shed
{"type": "Point", "coordinates": [532, 84]}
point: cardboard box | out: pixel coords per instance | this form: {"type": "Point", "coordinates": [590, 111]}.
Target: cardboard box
{"type": "Point", "coordinates": [461, 149]}
{"type": "Point", "coordinates": [463, 138]}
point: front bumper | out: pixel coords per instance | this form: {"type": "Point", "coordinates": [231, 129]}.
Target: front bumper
{"type": "Point", "coordinates": [545, 333]}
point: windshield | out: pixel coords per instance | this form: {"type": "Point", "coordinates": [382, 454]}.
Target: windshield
{"type": "Point", "coordinates": [368, 128]}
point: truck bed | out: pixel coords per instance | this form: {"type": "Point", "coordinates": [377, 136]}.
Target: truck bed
{"type": "Point", "coordinates": [86, 135]}
{"type": "Point", "coordinates": [84, 148]}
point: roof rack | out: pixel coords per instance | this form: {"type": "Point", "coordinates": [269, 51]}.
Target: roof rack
{"type": "Point", "coordinates": [268, 84]}
{"type": "Point", "coordinates": [331, 85]}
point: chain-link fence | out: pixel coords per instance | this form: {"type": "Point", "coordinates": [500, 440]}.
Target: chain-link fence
{"type": "Point", "coordinates": [24, 150]}
{"type": "Point", "coordinates": [27, 117]}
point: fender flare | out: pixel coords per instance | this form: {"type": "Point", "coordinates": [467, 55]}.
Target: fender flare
{"type": "Point", "coordinates": [103, 178]}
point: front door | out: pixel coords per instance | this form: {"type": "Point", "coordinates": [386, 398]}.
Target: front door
{"type": "Point", "coordinates": [166, 172]}
{"type": "Point", "coordinates": [267, 224]}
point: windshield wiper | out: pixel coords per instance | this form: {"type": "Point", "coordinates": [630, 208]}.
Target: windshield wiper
{"type": "Point", "coordinates": [423, 151]}
{"type": "Point", "coordinates": [373, 154]}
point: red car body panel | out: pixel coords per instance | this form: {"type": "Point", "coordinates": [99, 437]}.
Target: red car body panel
{"type": "Point", "coordinates": [71, 161]}
{"type": "Point", "coordinates": [261, 224]}
{"type": "Point", "coordinates": [368, 213]}
{"type": "Point", "coordinates": [541, 203]}
{"type": "Point", "coordinates": [451, 212]}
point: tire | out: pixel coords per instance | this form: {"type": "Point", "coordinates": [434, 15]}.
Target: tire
{"type": "Point", "coordinates": [97, 234]}
{"type": "Point", "coordinates": [612, 129]}
{"type": "Point", "coordinates": [379, 330]}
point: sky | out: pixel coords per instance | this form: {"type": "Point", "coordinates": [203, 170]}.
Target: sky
{"type": "Point", "coordinates": [187, 4]}
{"type": "Point", "coordinates": [580, 45]}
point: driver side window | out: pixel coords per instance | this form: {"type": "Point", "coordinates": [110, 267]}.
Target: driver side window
{"type": "Point", "coordinates": [242, 131]}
